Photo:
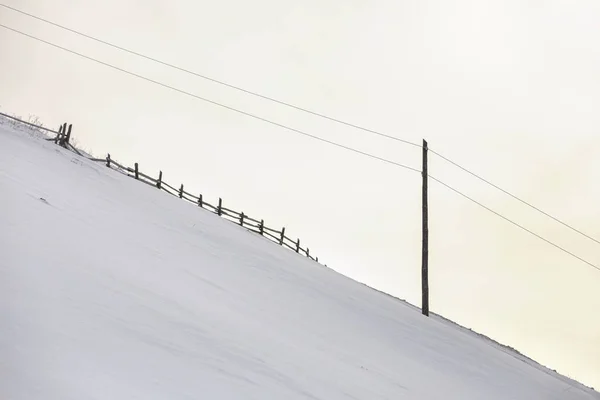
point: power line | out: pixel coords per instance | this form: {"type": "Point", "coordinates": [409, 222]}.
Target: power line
{"type": "Point", "coordinates": [514, 196]}
{"type": "Point", "coordinates": [287, 104]}
{"type": "Point", "coordinates": [301, 133]}
{"type": "Point", "coordinates": [213, 102]}
{"type": "Point", "coordinates": [187, 71]}
{"type": "Point", "coordinates": [515, 223]}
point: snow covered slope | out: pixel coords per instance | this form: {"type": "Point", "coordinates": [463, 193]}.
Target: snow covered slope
{"type": "Point", "coordinates": [110, 289]}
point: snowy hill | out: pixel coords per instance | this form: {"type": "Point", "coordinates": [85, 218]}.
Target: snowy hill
{"type": "Point", "coordinates": [110, 289]}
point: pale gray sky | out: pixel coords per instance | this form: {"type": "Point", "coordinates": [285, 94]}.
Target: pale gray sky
{"type": "Point", "coordinates": [509, 89]}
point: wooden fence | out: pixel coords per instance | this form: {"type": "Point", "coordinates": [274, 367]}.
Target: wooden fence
{"type": "Point", "coordinates": [63, 136]}
{"type": "Point", "coordinates": [240, 218]}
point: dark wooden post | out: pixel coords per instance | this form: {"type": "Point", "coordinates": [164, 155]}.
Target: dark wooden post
{"type": "Point", "coordinates": [68, 138]}
{"type": "Point", "coordinates": [181, 191]}
{"type": "Point", "coordinates": [159, 181]}
{"type": "Point", "coordinates": [261, 227]}
{"type": "Point", "coordinates": [137, 173]}
{"type": "Point", "coordinates": [62, 137]}
{"type": "Point", "coordinates": [425, 249]}
{"type": "Point", "coordinates": [220, 208]}
{"type": "Point", "coordinates": [317, 259]}
{"type": "Point", "coordinates": [200, 200]}
{"type": "Point", "coordinates": [108, 160]}
{"type": "Point", "coordinates": [242, 218]}
{"type": "Point", "coordinates": [60, 131]}
{"type": "Point", "coordinates": [282, 236]}
{"type": "Point", "coordinates": [298, 246]}
{"type": "Point", "coordinates": [307, 252]}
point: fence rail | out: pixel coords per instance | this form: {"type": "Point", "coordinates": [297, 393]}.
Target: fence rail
{"type": "Point", "coordinates": [62, 138]}
{"type": "Point", "coordinates": [28, 123]}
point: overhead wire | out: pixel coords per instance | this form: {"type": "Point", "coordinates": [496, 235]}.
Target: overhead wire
{"type": "Point", "coordinates": [304, 134]}
{"type": "Point", "coordinates": [514, 223]}
{"type": "Point", "coordinates": [514, 196]}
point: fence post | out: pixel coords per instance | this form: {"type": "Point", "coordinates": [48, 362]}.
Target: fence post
{"type": "Point", "coordinates": [62, 138]}
{"type": "Point", "coordinates": [298, 246]}
{"type": "Point", "coordinates": [137, 176]}
{"type": "Point", "coordinates": [317, 259]}
{"type": "Point", "coordinates": [200, 200]}
{"type": "Point", "coordinates": [307, 252]}
{"type": "Point", "coordinates": [181, 191]}
{"type": "Point", "coordinates": [261, 227]}
{"type": "Point", "coordinates": [242, 218]}
{"type": "Point", "coordinates": [159, 181]}
{"type": "Point", "coordinates": [282, 236]}
{"type": "Point", "coordinates": [60, 131]}
{"type": "Point", "coordinates": [68, 138]}
{"type": "Point", "coordinates": [219, 209]}
{"type": "Point", "coordinates": [108, 160]}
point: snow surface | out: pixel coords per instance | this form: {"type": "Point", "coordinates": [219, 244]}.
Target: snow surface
{"type": "Point", "coordinates": [111, 289]}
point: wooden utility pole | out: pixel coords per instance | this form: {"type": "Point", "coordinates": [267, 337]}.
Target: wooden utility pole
{"type": "Point", "coordinates": [425, 253]}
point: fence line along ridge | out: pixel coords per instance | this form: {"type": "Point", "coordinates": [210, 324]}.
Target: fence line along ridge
{"type": "Point", "coordinates": [242, 219]}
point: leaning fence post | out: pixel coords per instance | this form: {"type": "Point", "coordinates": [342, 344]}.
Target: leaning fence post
{"type": "Point", "coordinates": [200, 200]}
{"type": "Point", "coordinates": [220, 208]}
{"type": "Point", "coordinates": [159, 181]}
{"type": "Point", "coordinates": [282, 236]}
{"type": "Point", "coordinates": [261, 227]}
{"type": "Point", "coordinates": [242, 218]}
{"type": "Point", "coordinates": [181, 191]}
{"type": "Point", "coordinates": [298, 246]}
{"type": "Point", "coordinates": [60, 131]}
{"type": "Point", "coordinates": [68, 138]}
{"type": "Point", "coordinates": [108, 160]}
{"type": "Point", "coordinates": [62, 137]}
{"type": "Point", "coordinates": [137, 175]}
